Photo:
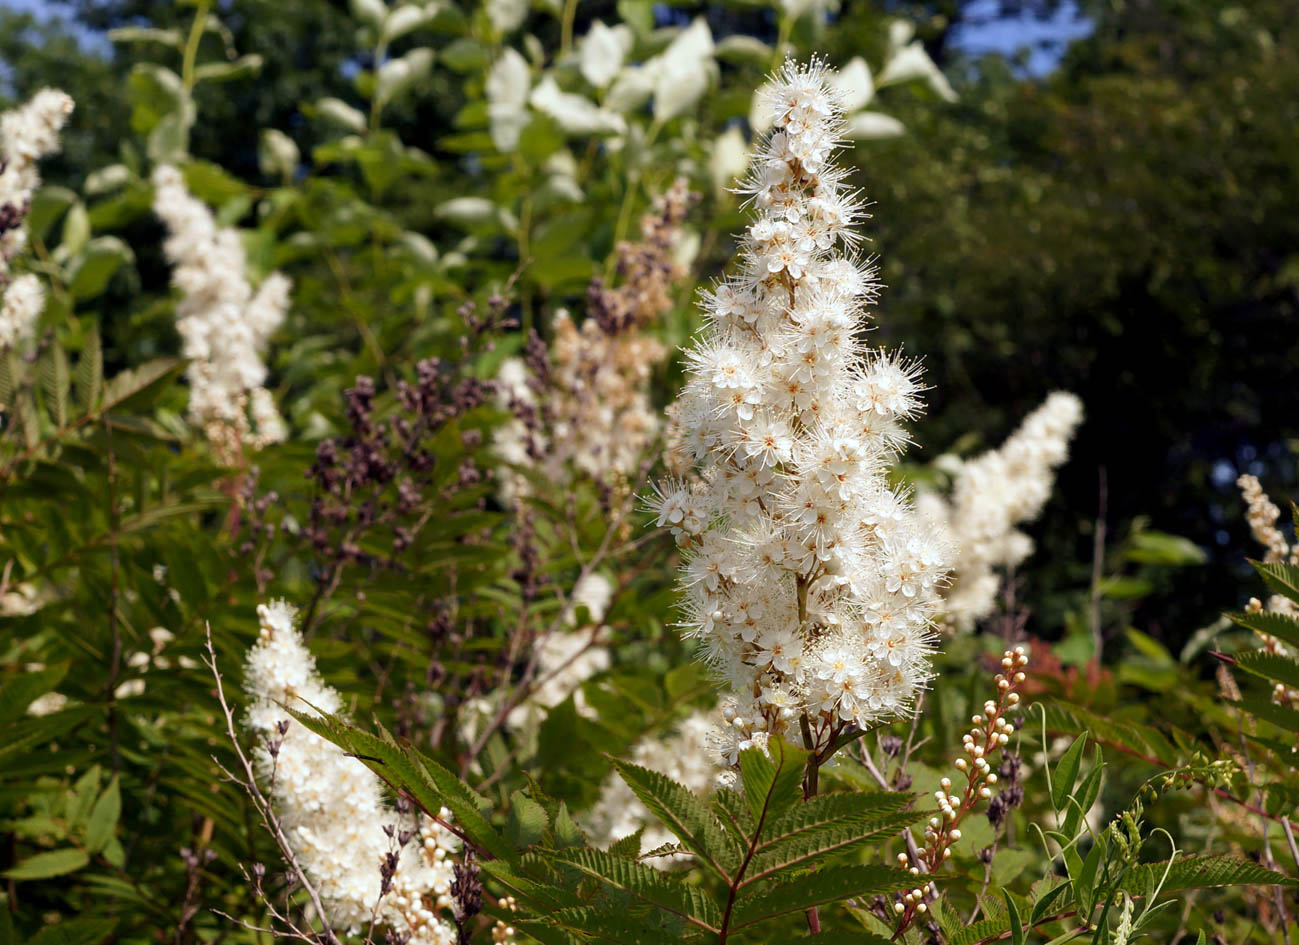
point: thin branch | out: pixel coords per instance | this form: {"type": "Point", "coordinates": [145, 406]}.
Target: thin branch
{"type": "Point", "coordinates": [249, 784]}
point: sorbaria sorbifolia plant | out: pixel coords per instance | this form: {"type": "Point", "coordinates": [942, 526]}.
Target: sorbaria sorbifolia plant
{"type": "Point", "coordinates": [810, 582]}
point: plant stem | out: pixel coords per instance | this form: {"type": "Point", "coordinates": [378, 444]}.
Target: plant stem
{"type": "Point", "coordinates": [191, 45]}
{"type": "Point", "coordinates": [566, 26]}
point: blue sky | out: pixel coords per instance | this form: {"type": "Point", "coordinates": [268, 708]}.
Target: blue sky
{"type": "Point", "coordinates": [1046, 39]}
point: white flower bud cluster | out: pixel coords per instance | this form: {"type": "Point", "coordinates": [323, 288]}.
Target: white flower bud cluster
{"type": "Point", "coordinates": [810, 582]}
{"type": "Point", "coordinates": [994, 493]}
{"type": "Point", "coordinates": [224, 325]}
{"type": "Point", "coordinates": [686, 758]}
{"type": "Point", "coordinates": [331, 806]}
{"type": "Point", "coordinates": [990, 731]}
{"type": "Point", "coordinates": [1262, 514]}
{"type": "Point", "coordinates": [27, 134]}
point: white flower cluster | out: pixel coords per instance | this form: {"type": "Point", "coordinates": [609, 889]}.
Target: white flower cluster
{"type": "Point", "coordinates": [224, 325]}
{"type": "Point", "coordinates": [994, 493]}
{"type": "Point", "coordinates": [27, 134]}
{"type": "Point", "coordinates": [685, 757]}
{"type": "Point", "coordinates": [810, 582]}
{"type": "Point", "coordinates": [331, 806]}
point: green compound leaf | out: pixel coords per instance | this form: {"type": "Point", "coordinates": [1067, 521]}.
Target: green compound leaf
{"type": "Point", "coordinates": [1199, 872]}
{"type": "Point", "coordinates": [685, 815]}
{"type": "Point", "coordinates": [819, 888]}
{"type": "Point", "coordinates": [647, 884]}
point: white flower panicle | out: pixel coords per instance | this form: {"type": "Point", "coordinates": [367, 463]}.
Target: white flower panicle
{"type": "Point", "coordinates": [584, 408]}
{"type": "Point", "coordinates": [331, 806]}
{"type": "Point", "coordinates": [810, 582]}
{"type": "Point", "coordinates": [994, 493]}
{"type": "Point", "coordinates": [224, 325]}
{"type": "Point", "coordinates": [27, 134]}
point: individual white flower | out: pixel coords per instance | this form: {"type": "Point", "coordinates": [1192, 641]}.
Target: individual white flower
{"type": "Point", "coordinates": [331, 806]}
{"type": "Point", "coordinates": [788, 427]}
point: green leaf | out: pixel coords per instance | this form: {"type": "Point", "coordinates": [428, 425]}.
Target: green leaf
{"type": "Point", "coordinates": [136, 388]}
{"type": "Point", "coordinates": [567, 832]}
{"type": "Point", "coordinates": [49, 864]}
{"type": "Point", "coordinates": [1282, 626]}
{"type": "Point", "coordinates": [1043, 904]}
{"type": "Point", "coordinates": [103, 817]}
{"type": "Point", "coordinates": [242, 68]}
{"type": "Point", "coordinates": [685, 815]}
{"type": "Point", "coordinates": [1064, 776]}
{"type": "Point", "coordinates": [94, 266]}
{"type": "Point", "coordinates": [537, 896]}
{"type": "Point", "coordinates": [1082, 801]}
{"type": "Point", "coordinates": [830, 824]}
{"type": "Point", "coordinates": [1264, 708]}
{"type": "Point", "coordinates": [819, 888]}
{"type": "Point", "coordinates": [1016, 924]}
{"type": "Point", "coordinates": [31, 733]}
{"type": "Point", "coordinates": [1280, 577]}
{"type": "Point", "coordinates": [1130, 737]}
{"type": "Point", "coordinates": [772, 784]}
{"type": "Point", "coordinates": [647, 884]}
{"type": "Point", "coordinates": [1271, 666]}
{"type": "Point", "coordinates": [48, 204]}
{"type": "Point", "coordinates": [602, 923]}
{"type": "Point", "coordinates": [628, 846]}
{"type": "Point", "coordinates": [90, 370]}
{"type": "Point", "coordinates": [527, 820]}
{"type": "Point", "coordinates": [429, 785]}
{"type": "Point", "coordinates": [1199, 872]}
{"type": "Point", "coordinates": [1085, 881]}
{"type": "Point", "coordinates": [74, 932]}
{"type": "Point", "coordinates": [1148, 547]}
{"type": "Point", "coordinates": [56, 382]}
{"type": "Point", "coordinates": [985, 930]}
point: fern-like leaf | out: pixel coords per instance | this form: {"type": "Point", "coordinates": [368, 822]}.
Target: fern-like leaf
{"type": "Point", "coordinates": [685, 815]}
{"type": "Point", "coordinates": [1271, 666]}
{"type": "Point", "coordinates": [1198, 872]}
{"type": "Point", "coordinates": [801, 849]}
{"type": "Point", "coordinates": [646, 884]}
{"type": "Point", "coordinates": [90, 372]}
{"type": "Point", "coordinates": [818, 888]}
{"type": "Point", "coordinates": [771, 779]}
{"type": "Point", "coordinates": [1280, 577]}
